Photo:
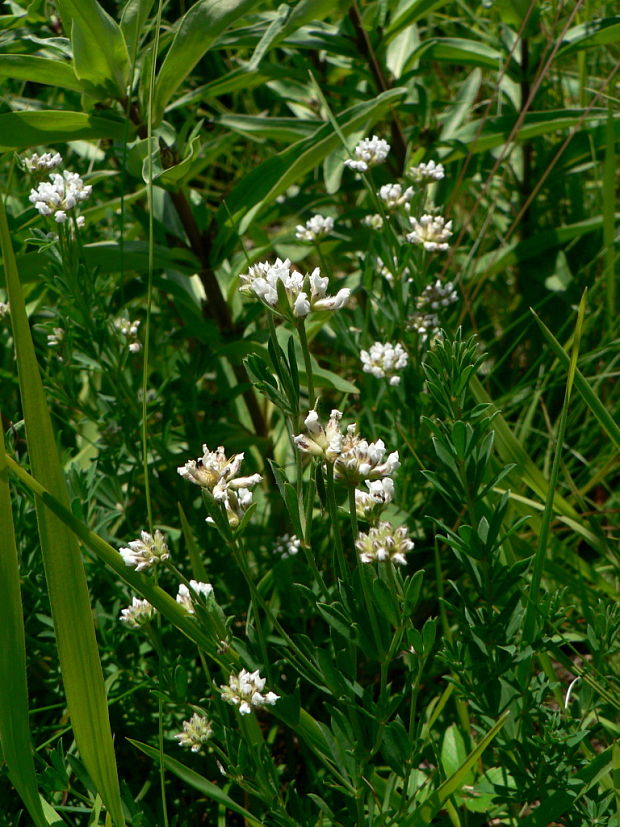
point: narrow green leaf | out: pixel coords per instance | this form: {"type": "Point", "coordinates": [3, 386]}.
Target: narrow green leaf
{"type": "Point", "coordinates": [66, 581]}
{"type": "Point", "coordinates": [274, 176]}
{"type": "Point", "coordinates": [14, 723]}
{"type": "Point", "coordinates": [591, 33]}
{"type": "Point", "coordinates": [458, 50]}
{"type": "Point", "coordinates": [429, 809]}
{"type": "Point", "coordinates": [199, 782]}
{"type": "Point", "coordinates": [408, 12]}
{"type": "Point", "coordinates": [604, 417]}
{"type": "Point", "coordinates": [39, 70]}
{"type": "Point", "coordinates": [197, 30]}
{"type": "Point", "coordinates": [133, 19]}
{"type": "Point", "coordinates": [100, 54]}
{"type": "Point", "coordinates": [19, 130]}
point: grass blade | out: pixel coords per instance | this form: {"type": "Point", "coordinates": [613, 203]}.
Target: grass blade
{"type": "Point", "coordinates": [429, 809]}
{"type": "Point", "coordinates": [529, 622]}
{"type": "Point", "coordinates": [66, 580]}
{"type": "Point", "coordinates": [14, 723]}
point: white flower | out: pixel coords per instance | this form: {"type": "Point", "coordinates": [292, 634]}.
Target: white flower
{"type": "Point", "coordinates": [393, 196]}
{"type": "Point", "coordinates": [80, 221]}
{"type": "Point", "coordinates": [384, 542]}
{"type": "Point", "coordinates": [245, 691]}
{"type": "Point", "coordinates": [185, 595]}
{"type": "Point", "coordinates": [146, 552]}
{"type": "Point", "coordinates": [287, 546]}
{"type": "Point", "coordinates": [325, 442]}
{"type": "Point", "coordinates": [43, 163]}
{"type": "Point", "coordinates": [387, 274]}
{"type": "Point", "coordinates": [302, 294]}
{"type": "Point", "coordinates": [368, 153]}
{"type": "Point", "coordinates": [60, 194]}
{"type": "Point", "coordinates": [432, 231]}
{"type": "Point", "coordinates": [56, 337]}
{"type": "Point", "coordinates": [315, 228]}
{"type": "Point", "coordinates": [196, 732]}
{"type": "Point", "coordinates": [369, 504]}
{"type": "Point", "coordinates": [5, 309]}
{"type": "Point", "coordinates": [426, 173]}
{"type": "Point", "coordinates": [129, 330]}
{"type": "Point", "coordinates": [383, 360]}
{"type": "Point", "coordinates": [139, 613]}
{"type": "Point", "coordinates": [375, 221]}
{"type": "Point", "coordinates": [424, 324]}
{"type": "Point", "coordinates": [362, 460]}
{"type": "Point", "coordinates": [216, 472]}
{"type": "Point", "coordinates": [437, 295]}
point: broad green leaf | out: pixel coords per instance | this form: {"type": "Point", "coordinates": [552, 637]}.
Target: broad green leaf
{"type": "Point", "coordinates": [39, 70]}
{"type": "Point", "coordinates": [274, 176]}
{"type": "Point", "coordinates": [19, 130]}
{"type": "Point", "coordinates": [133, 19]}
{"type": "Point", "coordinates": [592, 33]}
{"type": "Point", "coordinates": [408, 11]}
{"type": "Point", "coordinates": [197, 30]}
{"type": "Point", "coordinates": [64, 571]}
{"type": "Point", "coordinates": [199, 782]}
{"type": "Point", "coordinates": [428, 810]}
{"type": "Point", "coordinates": [14, 722]}
{"type": "Point", "coordinates": [100, 54]}
{"type": "Point", "coordinates": [458, 50]}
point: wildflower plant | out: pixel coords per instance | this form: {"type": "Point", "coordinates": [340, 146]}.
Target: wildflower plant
{"type": "Point", "coordinates": [387, 596]}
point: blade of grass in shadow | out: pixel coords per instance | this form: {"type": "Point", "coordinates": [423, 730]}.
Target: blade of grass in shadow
{"type": "Point", "coordinates": [609, 218]}
{"type": "Point", "coordinates": [64, 571]}
{"type": "Point", "coordinates": [14, 723]}
{"type": "Point", "coordinates": [529, 622]}
{"type": "Point", "coordinates": [582, 386]}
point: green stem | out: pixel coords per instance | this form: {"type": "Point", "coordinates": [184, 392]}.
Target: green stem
{"type": "Point", "coordinates": [353, 513]}
{"type": "Point", "coordinates": [303, 340]}
{"type": "Point", "coordinates": [338, 552]}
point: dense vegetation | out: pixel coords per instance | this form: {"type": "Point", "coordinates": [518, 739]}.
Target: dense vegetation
{"type": "Point", "coordinates": [367, 248]}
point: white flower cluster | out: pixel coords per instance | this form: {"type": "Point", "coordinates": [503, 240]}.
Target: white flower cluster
{"type": "Point", "coordinates": [368, 153]}
{"type": "Point", "coordinates": [383, 360]}
{"type": "Point", "coordinates": [425, 325]}
{"type": "Point", "coordinates": [316, 227]}
{"type": "Point", "coordinates": [146, 552]}
{"type": "Point", "coordinates": [245, 691]}
{"type": "Point", "coordinates": [426, 173]}
{"type": "Point", "coordinates": [437, 295]}
{"type": "Point", "coordinates": [218, 473]}
{"type": "Point", "coordinates": [394, 196]}
{"type": "Point", "coordinates": [374, 221]}
{"type": "Point", "coordinates": [369, 504]}
{"type": "Point", "coordinates": [55, 337]}
{"type": "Point", "coordinates": [354, 459]}
{"type": "Point", "coordinates": [185, 595]}
{"type": "Point", "coordinates": [196, 732]}
{"type": "Point", "coordinates": [4, 309]}
{"type": "Point", "coordinates": [43, 163]}
{"type": "Point", "coordinates": [384, 542]}
{"type": "Point", "coordinates": [59, 195]}
{"type": "Point", "coordinates": [287, 546]}
{"type": "Point", "coordinates": [302, 294]}
{"type": "Point", "coordinates": [129, 330]}
{"type": "Point", "coordinates": [139, 613]}
{"type": "Point", "coordinates": [432, 231]}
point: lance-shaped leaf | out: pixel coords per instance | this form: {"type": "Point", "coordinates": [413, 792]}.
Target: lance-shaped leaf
{"type": "Point", "coordinates": [100, 56]}
{"type": "Point", "coordinates": [197, 31]}
{"type": "Point", "coordinates": [19, 130]}
{"type": "Point", "coordinates": [39, 70]}
{"type": "Point", "coordinates": [64, 571]}
{"type": "Point", "coordinates": [14, 723]}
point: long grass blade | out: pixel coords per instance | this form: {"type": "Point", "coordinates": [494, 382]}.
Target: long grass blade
{"type": "Point", "coordinates": [529, 622]}
{"type": "Point", "coordinates": [64, 571]}
{"type": "Point", "coordinates": [14, 723]}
